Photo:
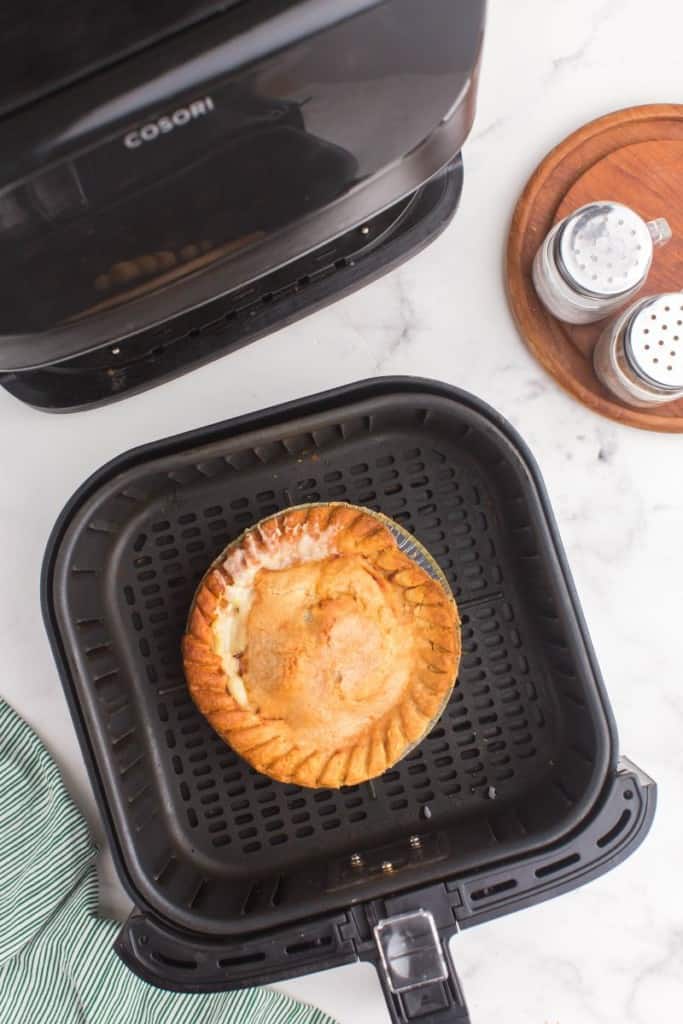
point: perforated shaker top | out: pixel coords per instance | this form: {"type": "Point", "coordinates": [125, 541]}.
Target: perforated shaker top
{"type": "Point", "coordinates": [604, 249]}
{"type": "Point", "coordinates": [654, 341]}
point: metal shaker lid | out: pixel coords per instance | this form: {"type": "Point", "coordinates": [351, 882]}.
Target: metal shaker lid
{"type": "Point", "coordinates": [653, 341]}
{"type": "Point", "coordinates": [604, 249]}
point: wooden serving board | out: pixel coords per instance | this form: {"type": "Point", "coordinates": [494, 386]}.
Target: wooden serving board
{"type": "Point", "coordinates": [635, 157]}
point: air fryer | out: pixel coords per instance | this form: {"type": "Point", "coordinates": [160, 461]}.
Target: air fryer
{"type": "Point", "coordinates": [518, 793]}
{"type": "Point", "coordinates": [189, 183]}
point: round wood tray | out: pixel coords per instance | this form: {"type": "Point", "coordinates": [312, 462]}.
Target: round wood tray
{"type": "Point", "coordinates": [635, 157]}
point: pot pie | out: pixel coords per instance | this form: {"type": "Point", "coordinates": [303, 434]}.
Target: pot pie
{"type": "Point", "coordinates": [318, 650]}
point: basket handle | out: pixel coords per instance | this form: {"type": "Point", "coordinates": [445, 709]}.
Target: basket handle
{"type": "Point", "coordinates": [417, 973]}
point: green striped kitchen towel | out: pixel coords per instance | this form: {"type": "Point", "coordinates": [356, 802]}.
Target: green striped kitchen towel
{"type": "Point", "coordinates": [57, 965]}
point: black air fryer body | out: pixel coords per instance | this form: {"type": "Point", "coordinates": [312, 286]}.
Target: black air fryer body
{"type": "Point", "coordinates": [179, 180]}
{"type": "Point", "coordinates": [516, 795]}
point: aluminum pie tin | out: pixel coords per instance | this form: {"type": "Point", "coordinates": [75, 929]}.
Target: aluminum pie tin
{"type": "Point", "coordinates": [406, 543]}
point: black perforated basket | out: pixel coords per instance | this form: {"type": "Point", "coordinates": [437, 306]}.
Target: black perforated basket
{"type": "Point", "coordinates": [517, 794]}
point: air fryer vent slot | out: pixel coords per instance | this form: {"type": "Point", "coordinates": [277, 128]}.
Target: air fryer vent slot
{"type": "Point", "coordinates": [241, 961]}
{"type": "Point", "coordinates": [308, 947]}
{"type": "Point", "coordinates": [176, 965]}
{"type": "Point", "coordinates": [559, 865]}
{"type": "Point", "coordinates": [615, 832]}
{"type": "Point", "coordinates": [493, 890]}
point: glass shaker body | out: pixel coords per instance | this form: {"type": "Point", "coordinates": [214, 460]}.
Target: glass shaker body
{"type": "Point", "coordinates": [595, 260]}
{"type": "Point", "coordinates": [639, 357]}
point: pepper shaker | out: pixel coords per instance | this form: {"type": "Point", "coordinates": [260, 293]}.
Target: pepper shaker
{"type": "Point", "coordinates": [595, 260]}
{"type": "Point", "coordinates": [639, 357]}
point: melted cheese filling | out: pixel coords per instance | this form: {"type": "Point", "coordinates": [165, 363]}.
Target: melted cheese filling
{"type": "Point", "coordinates": [230, 625]}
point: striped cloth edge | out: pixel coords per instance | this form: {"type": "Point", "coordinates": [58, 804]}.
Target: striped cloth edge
{"type": "Point", "coordinates": [57, 965]}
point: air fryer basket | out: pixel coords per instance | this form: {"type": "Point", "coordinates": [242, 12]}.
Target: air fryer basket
{"type": "Point", "coordinates": [239, 879]}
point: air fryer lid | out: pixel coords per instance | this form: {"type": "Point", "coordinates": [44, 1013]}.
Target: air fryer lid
{"type": "Point", "coordinates": [217, 155]}
{"type": "Point", "coordinates": [133, 222]}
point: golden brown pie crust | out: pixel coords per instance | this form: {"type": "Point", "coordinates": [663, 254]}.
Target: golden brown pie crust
{"type": "Point", "coordinates": [349, 649]}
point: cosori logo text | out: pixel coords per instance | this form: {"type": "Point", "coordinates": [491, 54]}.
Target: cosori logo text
{"type": "Point", "coordinates": [168, 123]}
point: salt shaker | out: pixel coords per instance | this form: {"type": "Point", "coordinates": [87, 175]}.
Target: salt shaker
{"type": "Point", "coordinates": [595, 260]}
{"type": "Point", "coordinates": [639, 357]}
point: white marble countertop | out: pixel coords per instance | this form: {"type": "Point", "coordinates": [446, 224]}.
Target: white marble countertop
{"type": "Point", "coordinates": [613, 951]}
